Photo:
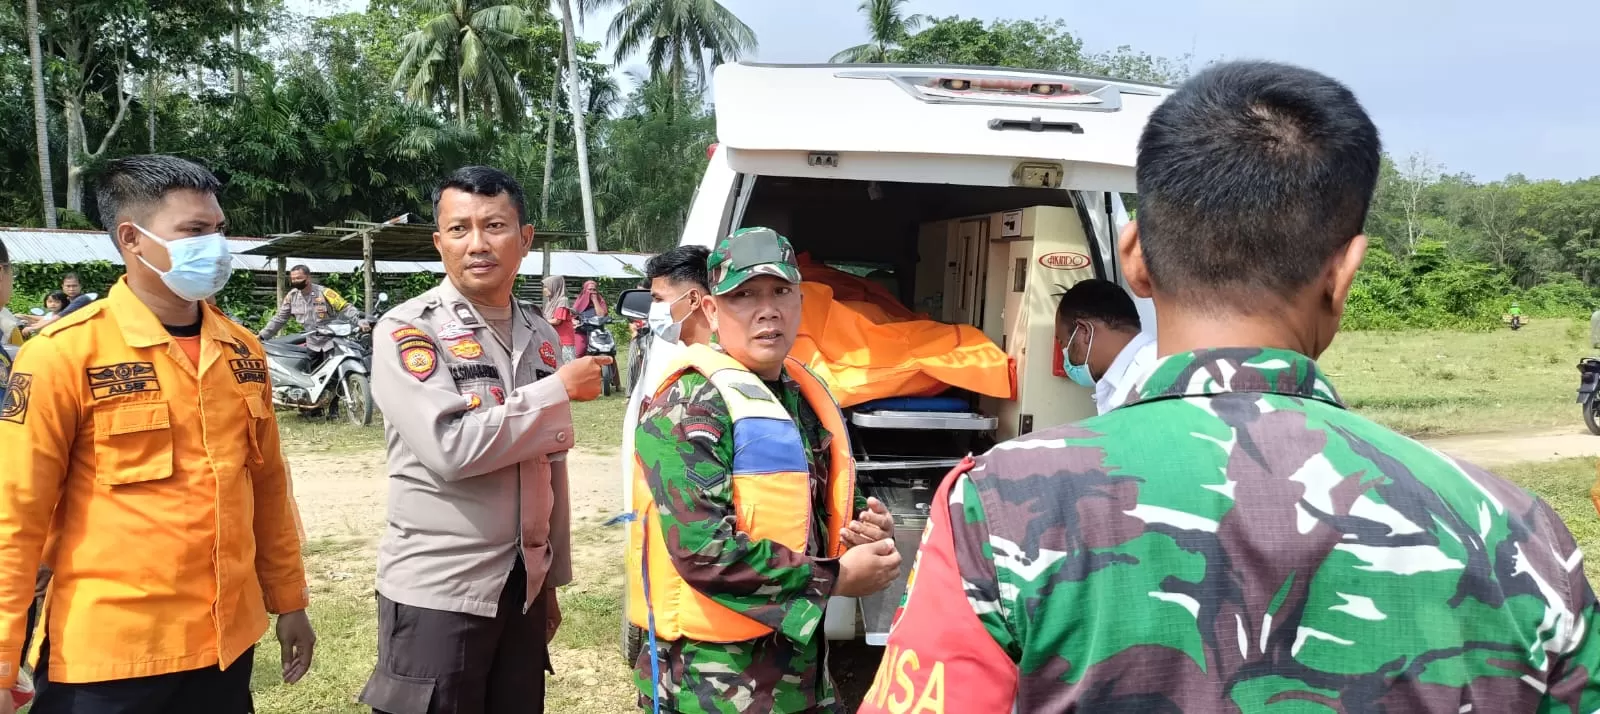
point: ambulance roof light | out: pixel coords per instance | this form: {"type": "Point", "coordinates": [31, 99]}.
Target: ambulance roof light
{"type": "Point", "coordinates": [1005, 88]}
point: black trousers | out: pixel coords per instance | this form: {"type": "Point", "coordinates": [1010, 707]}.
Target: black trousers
{"type": "Point", "coordinates": [201, 691]}
{"type": "Point", "coordinates": [438, 662]}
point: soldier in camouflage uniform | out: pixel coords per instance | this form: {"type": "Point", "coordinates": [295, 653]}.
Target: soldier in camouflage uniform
{"type": "Point", "coordinates": [1233, 539]}
{"type": "Point", "coordinates": [689, 468]}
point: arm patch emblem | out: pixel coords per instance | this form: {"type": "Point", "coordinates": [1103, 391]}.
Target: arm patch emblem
{"type": "Point", "coordinates": [420, 359]}
{"type": "Point", "coordinates": [15, 407]}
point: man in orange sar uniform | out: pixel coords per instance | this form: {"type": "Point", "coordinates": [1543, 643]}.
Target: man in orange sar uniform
{"type": "Point", "coordinates": [141, 445]}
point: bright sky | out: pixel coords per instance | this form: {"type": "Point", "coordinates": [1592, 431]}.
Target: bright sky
{"type": "Point", "coordinates": [1486, 87]}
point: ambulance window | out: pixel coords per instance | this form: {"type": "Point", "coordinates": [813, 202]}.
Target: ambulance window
{"type": "Point", "coordinates": [1020, 276]}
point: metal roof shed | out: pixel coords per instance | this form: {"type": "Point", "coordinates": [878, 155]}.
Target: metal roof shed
{"type": "Point", "coordinates": [395, 240]}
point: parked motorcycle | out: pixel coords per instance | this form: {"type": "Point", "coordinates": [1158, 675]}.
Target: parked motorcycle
{"type": "Point", "coordinates": [1588, 385]}
{"type": "Point", "coordinates": [601, 344]}
{"type": "Point", "coordinates": [339, 378]}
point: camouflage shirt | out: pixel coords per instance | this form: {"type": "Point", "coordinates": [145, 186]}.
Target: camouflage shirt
{"type": "Point", "coordinates": [687, 464]}
{"type": "Point", "coordinates": [1235, 540]}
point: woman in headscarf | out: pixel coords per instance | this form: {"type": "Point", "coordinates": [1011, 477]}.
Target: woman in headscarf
{"type": "Point", "coordinates": [558, 312]}
{"type": "Point", "coordinates": [589, 304]}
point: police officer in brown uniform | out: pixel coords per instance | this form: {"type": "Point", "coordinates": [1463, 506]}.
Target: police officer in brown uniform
{"type": "Point", "coordinates": [478, 422]}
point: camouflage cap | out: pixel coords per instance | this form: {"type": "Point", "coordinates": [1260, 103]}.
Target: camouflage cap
{"type": "Point", "coordinates": [747, 253]}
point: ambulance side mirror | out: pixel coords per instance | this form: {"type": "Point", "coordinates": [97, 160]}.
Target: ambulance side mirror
{"type": "Point", "coordinates": [635, 304]}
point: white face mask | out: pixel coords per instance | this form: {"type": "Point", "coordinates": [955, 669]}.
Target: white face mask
{"type": "Point", "coordinates": [200, 265]}
{"type": "Point", "coordinates": [661, 322]}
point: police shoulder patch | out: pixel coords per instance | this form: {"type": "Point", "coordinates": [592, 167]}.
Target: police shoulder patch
{"type": "Point", "coordinates": [18, 389]}
{"type": "Point", "coordinates": [419, 358]}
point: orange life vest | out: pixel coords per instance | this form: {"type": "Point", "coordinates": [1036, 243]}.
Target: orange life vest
{"type": "Point", "coordinates": [771, 496]}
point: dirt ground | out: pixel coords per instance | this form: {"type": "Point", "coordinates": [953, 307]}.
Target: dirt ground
{"type": "Point", "coordinates": [1492, 450]}
{"type": "Point", "coordinates": [344, 494]}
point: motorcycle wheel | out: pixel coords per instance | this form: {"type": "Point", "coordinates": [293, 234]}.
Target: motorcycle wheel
{"type": "Point", "coordinates": [608, 377]}
{"type": "Point", "coordinates": [357, 398]}
{"type": "Point", "coordinates": [1591, 416]}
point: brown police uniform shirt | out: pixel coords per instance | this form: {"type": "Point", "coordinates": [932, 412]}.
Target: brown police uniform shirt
{"type": "Point", "coordinates": [477, 434]}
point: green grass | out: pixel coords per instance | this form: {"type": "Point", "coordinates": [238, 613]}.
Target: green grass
{"type": "Point", "coordinates": [598, 424]}
{"type": "Point", "coordinates": [1443, 383]}
{"type": "Point", "coordinates": [591, 677]}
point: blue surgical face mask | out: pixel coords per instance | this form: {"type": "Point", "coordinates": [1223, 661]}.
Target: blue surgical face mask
{"type": "Point", "coordinates": [200, 265]}
{"type": "Point", "coordinates": [1079, 373]}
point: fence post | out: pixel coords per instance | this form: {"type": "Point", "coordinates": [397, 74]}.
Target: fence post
{"type": "Point", "coordinates": [367, 266]}
{"type": "Point", "coordinates": [283, 277]}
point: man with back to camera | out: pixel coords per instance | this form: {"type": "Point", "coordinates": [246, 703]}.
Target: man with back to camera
{"type": "Point", "coordinates": [1233, 539]}
{"type": "Point", "coordinates": [1103, 347]}
{"type": "Point", "coordinates": [479, 421]}
{"type": "Point", "coordinates": [743, 492]}
{"type": "Point", "coordinates": [146, 418]}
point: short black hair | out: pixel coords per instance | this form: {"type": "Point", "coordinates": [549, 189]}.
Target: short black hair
{"type": "Point", "coordinates": [71, 276]}
{"type": "Point", "coordinates": [683, 264]}
{"type": "Point", "coordinates": [60, 297]}
{"type": "Point", "coordinates": [135, 182]}
{"type": "Point", "coordinates": [5, 255]}
{"type": "Point", "coordinates": [483, 181]}
{"type": "Point", "coordinates": [302, 268]}
{"type": "Point", "coordinates": [1252, 176]}
{"type": "Point", "coordinates": [1096, 299]}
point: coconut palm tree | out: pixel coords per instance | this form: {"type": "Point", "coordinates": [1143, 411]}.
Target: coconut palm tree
{"type": "Point", "coordinates": [41, 126]}
{"type": "Point", "coordinates": [462, 43]}
{"type": "Point", "coordinates": [888, 26]}
{"type": "Point", "coordinates": [676, 34]}
{"type": "Point", "coordinates": [579, 126]}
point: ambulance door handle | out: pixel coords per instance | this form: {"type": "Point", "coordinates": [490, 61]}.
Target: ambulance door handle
{"type": "Point", "coordinates": [1036, 125]}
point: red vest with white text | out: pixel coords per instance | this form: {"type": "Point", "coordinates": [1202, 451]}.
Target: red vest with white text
{"type": "Point", "coordinates": [940, 659]}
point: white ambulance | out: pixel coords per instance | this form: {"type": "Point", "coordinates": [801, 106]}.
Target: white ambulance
{"type": "Point", "coordinates": [984, 193]}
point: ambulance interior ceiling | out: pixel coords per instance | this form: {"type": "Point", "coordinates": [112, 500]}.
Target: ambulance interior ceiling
{"type": "Point", "coordinates": [837, 220]}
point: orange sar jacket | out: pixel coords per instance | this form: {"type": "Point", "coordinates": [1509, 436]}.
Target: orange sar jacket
{"type": "Point", "coordinates": [155, 491]}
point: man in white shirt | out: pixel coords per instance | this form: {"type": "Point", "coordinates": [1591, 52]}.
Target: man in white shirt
{"type": "Point", "coordinates": [1102, 345]}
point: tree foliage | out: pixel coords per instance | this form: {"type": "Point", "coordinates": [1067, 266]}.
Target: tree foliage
{"type": "Point", "coordinates": [1028, 44]}
{"type": "Point", "coordinates": [888, 25]}
{"type": "Point", "coordinates": [302, 119]}
{"type": "Point", "coordinates": [1451, 250]}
